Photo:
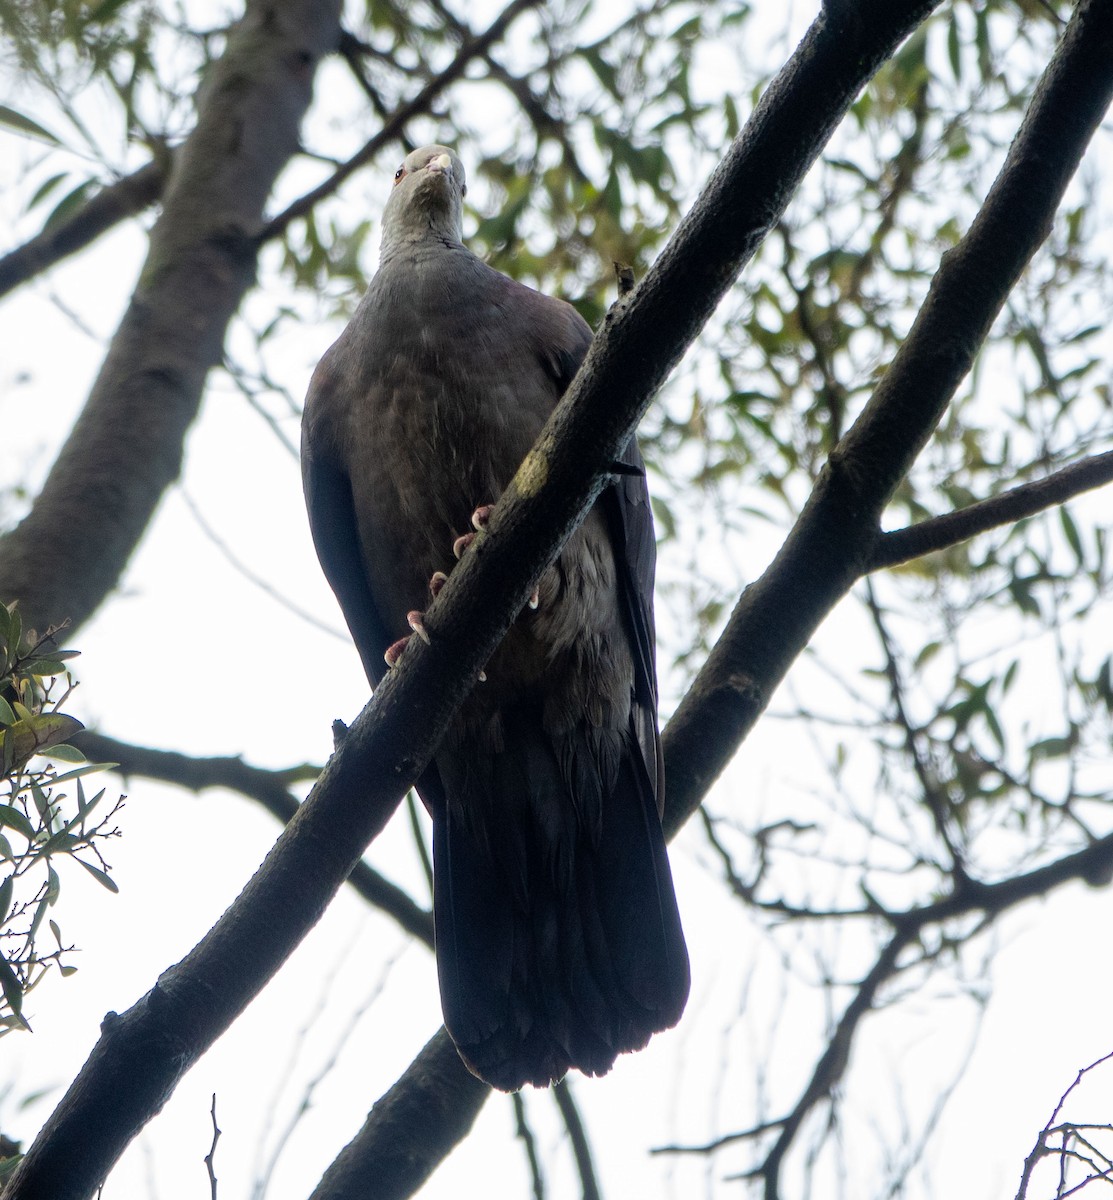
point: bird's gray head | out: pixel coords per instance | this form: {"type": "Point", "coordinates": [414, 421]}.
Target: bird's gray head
{"type": "Point", "coordinates": [427, 201]}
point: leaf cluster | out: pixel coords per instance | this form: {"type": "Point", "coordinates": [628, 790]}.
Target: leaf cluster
{"type": "Point", "coordinates": [39, 823]}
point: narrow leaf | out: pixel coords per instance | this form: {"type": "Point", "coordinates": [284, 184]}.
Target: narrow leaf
{"type": "Point", "coordinates": [99, 875]}
{"type": "Point", "coordinates": [16, 120]}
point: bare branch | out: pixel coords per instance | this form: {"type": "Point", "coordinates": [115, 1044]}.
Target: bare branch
{"type": "Point", "coordinates": [902, 545]}
{"type": "Point", "coordinates": [268, 788]}
{"type": "Point", "coordinates": [396, 123]}
{"type": "Point", "coordinates": [934, 794]}
{"type": "Point", "coordinates": [1041, 1150]}
{"type": "Point", "coordinates": [525, 1135]}
{"type": "Point", "coordinates": [432, 1107]}
{"type": "Point", "coordinates": [114, 203]}
{"type": "Point", "coordinates": [562, 1093]}
{"type": "Point", "coordinates": [210, 1158]}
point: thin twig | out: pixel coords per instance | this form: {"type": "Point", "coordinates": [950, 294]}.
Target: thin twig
{"type": "Point", "coordinates": [565, 1101]}
{"type": "Point", "coordinates": [257, 580]}
{"type": "Point", "coordinates": [398, 120]}
{"type": "Point", "coordinates": [210, 1158]}
{"type": "Point", "coordinates": [525, 1134]}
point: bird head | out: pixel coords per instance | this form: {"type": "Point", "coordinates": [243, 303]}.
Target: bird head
{"type": "Point", "coordinates": [427, 200]}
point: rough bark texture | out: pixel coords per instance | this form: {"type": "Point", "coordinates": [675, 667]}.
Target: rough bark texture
{"type": "Point", "coordinates": [126, 447]}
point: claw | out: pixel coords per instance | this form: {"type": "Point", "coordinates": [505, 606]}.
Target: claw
{"type": "Point", "coordinates": [394, 651]}
{"type": "Point", "coordinates": [438, 580]}
{"type": "Point", "coordinates": [462, 543]}
{"type": "Point", "coordinates": [482, 516]}
{"type": "Point", "coordinates": [416, 621]}
{"type": "Point", "coordinates": [534, 600]}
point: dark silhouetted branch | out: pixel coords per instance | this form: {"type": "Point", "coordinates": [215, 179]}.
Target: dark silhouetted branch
{"type": "Point", "coordinates": [268, 788]}
{"type": "Point", "coordinates": [937, 533]}
{"type": "Point", "coordinates": [114, 203]}
{"type": "Point", "coordinates": [407, 1133]}
{"type": "Point", "coordinates": [577, 1135]}
{"type": "Point", "coordinates": [392, 127]}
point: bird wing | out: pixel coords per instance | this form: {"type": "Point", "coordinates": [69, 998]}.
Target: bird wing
{"type": "Point", "coordinates": [335, 530]}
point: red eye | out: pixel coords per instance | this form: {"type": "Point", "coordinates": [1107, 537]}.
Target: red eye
{"type": "Point", "coordinates": [399, 174]}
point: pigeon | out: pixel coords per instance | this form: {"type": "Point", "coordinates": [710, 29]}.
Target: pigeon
{"type": "Point", "coordinates": [558, 938]}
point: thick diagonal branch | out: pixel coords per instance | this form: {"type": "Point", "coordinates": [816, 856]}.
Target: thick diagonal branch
{"type": "Point", "coordinates": [836, 537]}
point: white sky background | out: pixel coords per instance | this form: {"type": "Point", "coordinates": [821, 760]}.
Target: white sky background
{"type": "Point", "coordinates": [191, 656]}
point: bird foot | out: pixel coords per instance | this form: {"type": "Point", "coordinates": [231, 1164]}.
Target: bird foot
{"type": "Point", "coordinates": [415, 619]}
{"type": "Point", "coordinates": [480, 519]}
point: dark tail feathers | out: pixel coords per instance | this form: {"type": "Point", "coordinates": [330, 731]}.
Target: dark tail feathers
{"type": "Point", "coordinates": [558, 938]}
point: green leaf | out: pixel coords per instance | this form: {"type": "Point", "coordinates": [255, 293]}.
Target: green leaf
{"type": "Point", "coordinates": [43, 667]}
{"type": "Point", "coordinates": [13, 989]}
{"type": "Point", "coordinates": [103, 11]}
{"type": "Point", "coordinates": [87, 769]}
{"type": "Point", "coordinates": [44, 190]}
{"type": "Point", "coordinates": [36, 734]}
{"type": "Point", "coordinates": [1052, 747]}
{"type": "Point", "coordinates": [954, 53]}
{"type": "Point", "coordinates": [16, 120]}
{"type": "Point", "coordinates": [69, 754]}
{"type": "Point", "coordinates": [101, 878]}
{"type": "Point", "coordinates": [6, 890]}
{"type": "Point", "coordinates": [69, 203]}
{"type": "Point", "coordinates": [15, 628]}
{"type": "Point", "coordinates": [12, 818]}
{"type": "Point", "coordinates": [37, 920]}
{"type": "Point", "coordinates": [7, 717]}
{"type": "Point", "coordinates": [1070, 529]}
{"type": "Point", "coordinates": [61, 843]}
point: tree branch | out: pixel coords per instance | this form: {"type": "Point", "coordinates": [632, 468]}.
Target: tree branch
{"type": "Point", "coordinates": [268, 788]}
{"type": "Point", "coordinates": [126, 447]}
{"type": "Point", "coordinates": [143, 1053]}
{"type": "Point", "coordinates": [525, 1135]}
{"type": "Point", "coordinates": [577, 1135]}
{"type": "Point", "coordinates": [475, 47]}
{"type": "Point", "coordinates": [432, 1107]}
{"type": "Point", "coordinates": [834, 540]}
{"type": "Point", "coordinates": [112, 204]}
{"type": "Point", "coordinates": [833, 1062]}
{"type": "Point", "coordinates": [902, 545]}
